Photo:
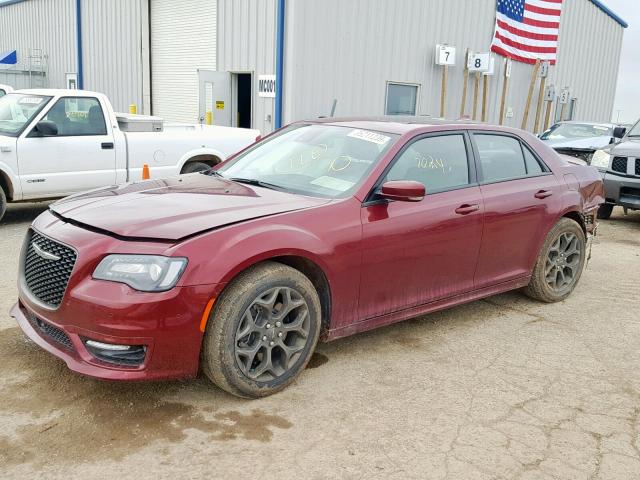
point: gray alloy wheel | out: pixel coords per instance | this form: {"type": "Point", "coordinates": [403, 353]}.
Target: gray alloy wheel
{"type": "Point", "coordinates": [559, 264]}
{"type": "Point", "coordinates": [272, 334]}
{"type": "Point", "coordinates": [262, 331]}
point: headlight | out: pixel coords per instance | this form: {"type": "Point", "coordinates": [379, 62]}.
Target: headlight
{"type": "Point", "coordinates": [600, 159]}
{"type": "Point", "coordinates": [147, 273]}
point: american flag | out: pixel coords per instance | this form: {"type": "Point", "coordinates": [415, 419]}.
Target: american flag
{"type": "Point", "coordinates": [527, 30]}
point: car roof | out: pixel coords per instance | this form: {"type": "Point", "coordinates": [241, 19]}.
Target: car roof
{"type": "Point", "coordinates": [400, 125]}
{"type": "Point", "coordinates": [58, 91]}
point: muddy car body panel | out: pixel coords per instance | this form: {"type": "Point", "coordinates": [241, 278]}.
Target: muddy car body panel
{"type": "Point", "coordinates": [373, 262]}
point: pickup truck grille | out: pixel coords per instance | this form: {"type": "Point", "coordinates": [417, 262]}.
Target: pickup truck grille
{"type": "Point", "coordinates": [47, 268]}
{"type": "Point", "coordinates": [619, 164]}
{"type": "Point", "coordinates": [637, 166]}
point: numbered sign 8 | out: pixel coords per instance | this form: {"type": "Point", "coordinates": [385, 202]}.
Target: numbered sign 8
{"type": "Point", "coordinates": [479, 62]}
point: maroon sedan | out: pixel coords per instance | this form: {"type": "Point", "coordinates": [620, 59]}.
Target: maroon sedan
{"type": "Point", "coordinates": [321, 230]}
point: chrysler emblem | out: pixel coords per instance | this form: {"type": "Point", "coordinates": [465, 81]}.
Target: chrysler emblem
{"type": "Point", "coordinates": [44, 254]}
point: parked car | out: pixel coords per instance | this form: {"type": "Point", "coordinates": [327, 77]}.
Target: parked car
{"type": "Point", "coordinates": [4, 89]}
{"type": "Point", "coordinates": [321, 230]}
{"type": "Point", "coordinates": [57, 142]}
{"type": "Point", "coordinates": [581, 139]}
{"type": "Point", "coordinates": [619, 165]}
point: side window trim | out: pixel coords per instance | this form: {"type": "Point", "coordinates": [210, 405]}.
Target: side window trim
{"type": "Point", "coordinates": [104, 118]}
{"type": "Point", "coordinates": [370, 199]}
{"type": "Point", "coordinates": [476, 153]}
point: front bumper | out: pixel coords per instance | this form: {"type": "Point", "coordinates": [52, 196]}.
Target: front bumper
{"type": "Point", "coordinates": [168, 327]}
{"type": "Point", "coordinates": [622, 190]}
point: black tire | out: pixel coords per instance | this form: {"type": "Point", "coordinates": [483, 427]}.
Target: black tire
{"type": "Point", "coordinates": [551, 268]}
{"type": "Point", "coordinates": [605, 210]}
{"type": "Point", "coordinates": [246, 306]}
{"type": "Point", "coordinates": [193, 167]}
{"type": "Point", "coordinates": [3, 203]}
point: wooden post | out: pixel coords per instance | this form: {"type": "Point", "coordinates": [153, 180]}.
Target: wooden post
{"type": "Point", "coordinates": [443, 92]}
{"type": "Point", "coordinates": [547, 116]}
{"type": "Point", "coordinates": [536, 122]}
{"type": "Point", "coordinates": [564, 106]}
{"type": "Point", "coordinates": [532, 85]}
{"type": "Point", "coordinates": [465, 83]}
{"type": "Point", "coordinates": [485, 95]}
{"type": "Point", "coordinates": [505, 87]}
{"type": "Point", "coordinates": [476, 87]}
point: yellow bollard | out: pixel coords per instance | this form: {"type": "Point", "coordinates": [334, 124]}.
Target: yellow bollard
{"type": "Point", "coordinates": [133, 108]}
{"type": "Point", "coordinates": [208, 117]}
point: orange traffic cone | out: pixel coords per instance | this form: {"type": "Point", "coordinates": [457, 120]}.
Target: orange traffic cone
{"type": "Point", "coordinates": [145, 172]}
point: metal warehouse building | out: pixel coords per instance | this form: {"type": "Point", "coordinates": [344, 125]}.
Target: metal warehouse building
{"type": "Point", "coordinates": [264, 63]}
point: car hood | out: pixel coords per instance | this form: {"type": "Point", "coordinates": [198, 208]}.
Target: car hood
{"type": "Point", "coordinates": [175, 208]}
{"type": "Point", "coordinates": [591, 143]}
{"type": "Point", "coordinates": [628, 147]}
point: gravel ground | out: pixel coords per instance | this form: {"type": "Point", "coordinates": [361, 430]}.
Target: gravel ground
{"type": "Point", "coordinates": [500, 388]}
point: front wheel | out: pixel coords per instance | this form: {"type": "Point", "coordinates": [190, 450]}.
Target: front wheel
{"type": "Point", "coordinates": [559, 264]}
{"type": "Point", "coordinates": [605, 211]}
{"type": "Point", "coordinates": [3, 203]}
{"type": "Point", "coordinates": [262, 331]}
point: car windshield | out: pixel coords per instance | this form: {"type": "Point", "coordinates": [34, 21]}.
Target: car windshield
{"type": "Point", "coordinates": [316, 160]}
{"type": "Point", "coordinates": [576, 130]}
{"type": "Point", "coordinates": [17, 110]}
{"type": "Point", "coordinates": [635, 130]}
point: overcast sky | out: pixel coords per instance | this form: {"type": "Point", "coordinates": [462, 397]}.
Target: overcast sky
{"type": "Point", "coordinates": [628, 91]}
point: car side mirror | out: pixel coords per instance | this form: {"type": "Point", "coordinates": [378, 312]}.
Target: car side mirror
{"type": "Point", "coordinates": [44, 128]}
{"type": "Point", "coordinates": [402, 190]}
{"type": "Point", "coordinates": [618, 132]}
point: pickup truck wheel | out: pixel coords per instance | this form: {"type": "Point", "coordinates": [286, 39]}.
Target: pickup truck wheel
{"type": "Point", "coordinates": [605, 210]}
{"type": "Point", "coordinates": [3, 203]}
{"type": "Point", "coordinates": [193, 167]}
{"type": "Point", "coordinates": [262, 331]}
{"type": "Point", "coordinates": [559, 264]}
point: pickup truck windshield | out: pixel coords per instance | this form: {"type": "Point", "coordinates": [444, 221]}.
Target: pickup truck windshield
{"type": "Point", "coordinates": [635, 130]}
{"type": "Point", "coordinates": [17, 110]}
{"type": "Point", "coordinates": [317, 160]}
{"type": "Point", "coordinates": [576, 130]}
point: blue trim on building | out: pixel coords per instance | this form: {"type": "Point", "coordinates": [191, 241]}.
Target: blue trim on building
{"type": "Point", "coordinates": [610, 12]}
{"type": "Point", "coordinates": [279, 62]}
{"type": "Point", "coordinates": [79, 44]}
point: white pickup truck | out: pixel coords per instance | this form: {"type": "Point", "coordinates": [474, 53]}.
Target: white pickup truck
{"type": "Point", "coordinates": [57, 142]}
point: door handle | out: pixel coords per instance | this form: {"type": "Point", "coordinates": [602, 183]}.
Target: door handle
{"type": "Point", "coordinates": [543, 194]}
{"type": "Point", "coordinates": [107, 145]}
{"type": "Point", "coordinates": [467, 208]}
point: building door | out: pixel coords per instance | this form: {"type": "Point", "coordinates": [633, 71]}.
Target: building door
{"type": "Point", "coordinates": [243, 100]}
{"type": "Point", "coordinates": [215, 96]}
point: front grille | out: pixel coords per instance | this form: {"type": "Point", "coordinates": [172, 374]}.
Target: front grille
{"type": "Point", "coordinates": [619, 164]}
{"type": "Point", "coordinates": [47, 278]}
{"type": "Point", "coordinates": [637, 166]}
{"type": "Point", "coordinates": [49, 331]}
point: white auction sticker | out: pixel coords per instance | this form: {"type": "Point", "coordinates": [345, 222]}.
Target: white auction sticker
{"type": "Point", "coordinates": [333, 183]}
{"type": "Point", "coordinates": [372, 137]}
{"type": "Point", "coordinates": [30, 100]}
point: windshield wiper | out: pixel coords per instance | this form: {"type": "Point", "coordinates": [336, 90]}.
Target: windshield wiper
{"type": "Point", "coordinates": [258, 183]}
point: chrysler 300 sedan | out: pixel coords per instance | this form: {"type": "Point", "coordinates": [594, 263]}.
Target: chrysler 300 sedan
{"type": "Point", "coordinates": [321, 230]}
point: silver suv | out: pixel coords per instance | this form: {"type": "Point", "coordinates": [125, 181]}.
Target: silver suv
{"type": "Point", "coordinates": [619, 165]}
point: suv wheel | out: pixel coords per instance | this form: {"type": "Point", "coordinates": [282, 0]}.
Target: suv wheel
{"type": "Point", "coordinates": [3, 203]}
{"type": "Point", "coordinates": [559, 264]}
{"type": "Point", "coordinates": [605, 210]}
{"type": "Point", "coordinates": [262, 331]}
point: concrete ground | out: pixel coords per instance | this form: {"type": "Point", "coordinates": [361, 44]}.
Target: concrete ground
{"type": "Point", "coordinates": [500, 388]}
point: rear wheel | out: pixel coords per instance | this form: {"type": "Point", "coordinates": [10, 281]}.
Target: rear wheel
{"type": "Point", "coordinates": [559, 264]}
{"type": "Point", "coordinates": [262, 331]}
{"type": "Point", "coordinates": [605, 210]}
{"type": "Point", "coordinates": [193, 167]}
{"type": "Point", "coordinates": [3, 203]}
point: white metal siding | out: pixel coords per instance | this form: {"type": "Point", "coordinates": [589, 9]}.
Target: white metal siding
{"type": "Point", "coordinates": [246, 33]}
{"type": "Point", "coordinates": [112, 50]}
{"type": "Point", "coordinates": [350, 50]}
{"type": "Point", "coordinates": [183, 40]}
{"type": "Point", "coordinates": [48, 25]}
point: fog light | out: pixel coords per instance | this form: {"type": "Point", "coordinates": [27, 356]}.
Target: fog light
{"type": "Point", "coordinates": [123, 355]}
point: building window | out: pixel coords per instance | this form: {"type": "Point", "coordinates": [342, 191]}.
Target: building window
{"type": "Point", "coordinates": [401, 99]}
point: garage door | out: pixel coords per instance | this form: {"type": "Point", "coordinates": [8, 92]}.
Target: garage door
{"type": "Point", "coordinates": [183, 40]}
